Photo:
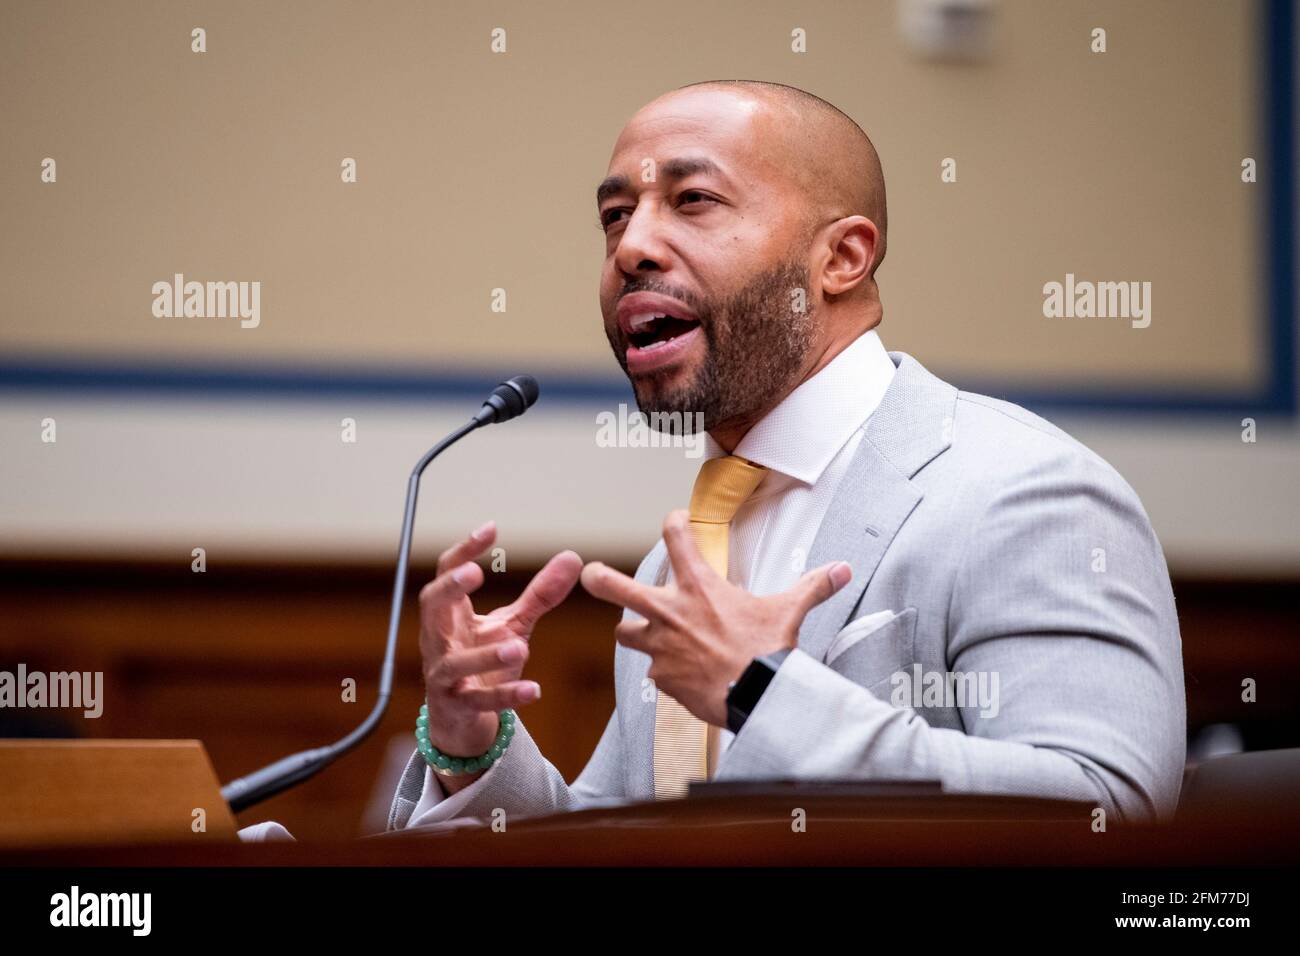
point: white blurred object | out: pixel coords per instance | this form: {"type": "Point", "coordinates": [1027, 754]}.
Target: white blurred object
{"type": "Point", "coordinates": [948, 29]}
{"type": "Point", "coordinates": [265, 832]}
{"type": "Point", "coordinates": [1215, 740]}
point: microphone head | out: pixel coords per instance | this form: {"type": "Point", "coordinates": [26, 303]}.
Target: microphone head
{"type": "Point", "coordinates": [509, 400]}
{"type": "Point", "coordinates": [526, 386]}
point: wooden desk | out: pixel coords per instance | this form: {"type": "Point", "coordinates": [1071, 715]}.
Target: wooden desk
{"type": "Point", "coordinates": [754, 831]}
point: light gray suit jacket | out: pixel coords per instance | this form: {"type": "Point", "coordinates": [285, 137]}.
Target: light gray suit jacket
{"type": "Point", "coordinates": [1003, 548]}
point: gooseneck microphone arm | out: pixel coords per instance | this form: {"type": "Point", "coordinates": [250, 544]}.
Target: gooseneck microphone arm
{"type": "Point", "coordinates": [508, 400]}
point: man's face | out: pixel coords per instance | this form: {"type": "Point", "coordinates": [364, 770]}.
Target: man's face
{"type": "Point", "coordinates": [704, 289]}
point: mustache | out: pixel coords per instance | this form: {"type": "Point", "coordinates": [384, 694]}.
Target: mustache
{"type": "Point", "coordinates": [701, 309]}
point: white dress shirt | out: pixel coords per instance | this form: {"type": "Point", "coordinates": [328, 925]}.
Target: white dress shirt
{"type": "Point", "coordinates": [806, 443]}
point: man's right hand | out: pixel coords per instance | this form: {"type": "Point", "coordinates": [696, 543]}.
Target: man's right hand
{"type": "Point", "coordinates": [472, 662]}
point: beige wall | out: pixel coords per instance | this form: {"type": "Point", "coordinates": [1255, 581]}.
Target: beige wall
{"type": "Point", "coordinates": [477, 172]}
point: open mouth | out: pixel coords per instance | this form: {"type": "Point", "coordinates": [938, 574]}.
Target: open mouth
{"type": "Point", "coordinates": [651, 331]}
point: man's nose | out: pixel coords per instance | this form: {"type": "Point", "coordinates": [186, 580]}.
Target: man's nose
{"type": "Point", "coordinates": [642, 247]}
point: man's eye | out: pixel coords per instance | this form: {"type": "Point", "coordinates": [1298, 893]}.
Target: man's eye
{"type": "Point", "coordinates": [696, 193]}
{"type": "Point", "coordinates": [609, 217]}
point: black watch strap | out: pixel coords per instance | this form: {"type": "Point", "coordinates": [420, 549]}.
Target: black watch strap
{"type": "Point", "coordinates": [743, 695]}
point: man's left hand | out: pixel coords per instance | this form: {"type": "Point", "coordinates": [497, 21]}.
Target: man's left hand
{"type": "Point", "coordinates": [702, 631]}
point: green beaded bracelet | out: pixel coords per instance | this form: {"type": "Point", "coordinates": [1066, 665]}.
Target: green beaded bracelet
{"type": "Point", "coordinates": [449, 766]}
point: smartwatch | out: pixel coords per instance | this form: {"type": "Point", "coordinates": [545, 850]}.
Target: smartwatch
{"type": "Point", "coordinates": [743, 694]}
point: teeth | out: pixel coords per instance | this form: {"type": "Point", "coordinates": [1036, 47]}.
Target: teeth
{"type": "Point", "coordinates": [641, 320]}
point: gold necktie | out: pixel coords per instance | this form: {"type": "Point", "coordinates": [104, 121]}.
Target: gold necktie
{"type": "Point", "coordinates": [686, 747]}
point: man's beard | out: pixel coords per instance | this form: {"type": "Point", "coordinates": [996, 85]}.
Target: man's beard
{"type": "Point", "coordinates": [755, 343]}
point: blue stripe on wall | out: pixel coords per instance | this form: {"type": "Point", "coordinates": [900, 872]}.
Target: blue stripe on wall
{"type": "Point", "coordinates": [265, 381]}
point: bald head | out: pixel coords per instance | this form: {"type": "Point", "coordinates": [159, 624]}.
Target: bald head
{"type": "Point", "coordinates": [830, 155]}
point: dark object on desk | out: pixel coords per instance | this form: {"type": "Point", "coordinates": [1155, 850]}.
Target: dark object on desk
{"type": "Point", "coordinates": [890, 799]}
{"type": "Point", "coordinates": [1264, 785]}
{"type": "Point", "coordinates": [870, 789]}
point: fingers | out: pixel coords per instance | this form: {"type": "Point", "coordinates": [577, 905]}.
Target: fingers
{"type": "Point", "coordinates": [688, 563]}
{"type": "Point", "coordinates": [457, 664]}
{"type": "Point", "coordinates": [456, 577]}
{"type": "Point", "coordinates": [633, 634]}
{"type": "Point", "coordinates": [819, 584]}
{"type": "Point", "coordinates": [602, 581]}
{"type": "Point", "coordinates": [439, 597]}
{"type": "Point", "coordinates": [514, 694]}
{"type": "Point", "coordinates": [548, 588]}
{"type": "Point", "coordinates": [469, 549]}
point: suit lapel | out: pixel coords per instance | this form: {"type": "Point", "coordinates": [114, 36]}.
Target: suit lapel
{"type": "Point", "coordinates": [912, 426]}
{"type": "Point", "coordinates": [869, 507]}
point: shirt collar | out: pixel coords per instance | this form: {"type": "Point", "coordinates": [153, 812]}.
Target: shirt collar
{"type": "Point", "coordinates": [802, 434]}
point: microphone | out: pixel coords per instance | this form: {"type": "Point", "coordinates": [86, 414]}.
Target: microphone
{"type": "Point", "coordinates": [508, 400]}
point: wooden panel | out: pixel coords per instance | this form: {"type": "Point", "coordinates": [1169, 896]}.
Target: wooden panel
{"type": "Point", "coordinates": [121, 791]}
{"type": "Point", "coordinates": [250, 661]}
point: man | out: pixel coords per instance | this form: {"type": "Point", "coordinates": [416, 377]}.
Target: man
{"type": "Point", "coordinates": [988, 605]}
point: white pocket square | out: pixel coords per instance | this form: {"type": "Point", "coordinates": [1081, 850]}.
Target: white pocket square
{"type": "Point", "coordinates": [857, 630]}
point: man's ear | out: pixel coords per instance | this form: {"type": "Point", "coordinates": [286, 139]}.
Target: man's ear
{"type": "Point", "coordinates": [854, 243]}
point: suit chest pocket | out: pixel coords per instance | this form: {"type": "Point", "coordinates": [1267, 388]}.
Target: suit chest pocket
{"type": "Point", "coordinates": [873, 659]}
